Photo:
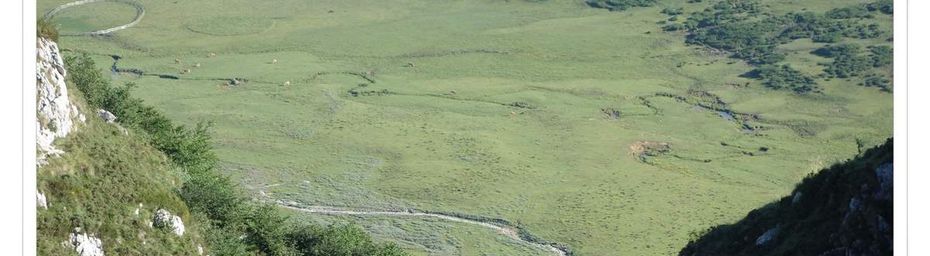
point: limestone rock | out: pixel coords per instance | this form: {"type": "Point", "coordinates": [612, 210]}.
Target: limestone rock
{"type": "Point", "coordinates": [164, 219]}
{"type": "Point", "coordinates": [54, 110]}
{"type": "Point", "coordinates": [106, 116]}
{"type": "Point", "coordinates": [85, 244]}
{"type": "Point", "coordinates": [41, 201]}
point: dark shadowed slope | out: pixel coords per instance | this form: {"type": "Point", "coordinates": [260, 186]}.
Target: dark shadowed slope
{"type": "Point", "coordinates": [843, 210]}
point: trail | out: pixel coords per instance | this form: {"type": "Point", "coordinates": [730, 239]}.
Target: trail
{"type": "Point", "coordinates": [506, 230]}
{"type": "Point", "coordinates": [140, 12]}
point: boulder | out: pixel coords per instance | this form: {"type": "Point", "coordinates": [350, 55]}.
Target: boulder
{"type": "Point", "coordinates": [164, 219]}
{"type": "Point", "coordinates": [106, 116]}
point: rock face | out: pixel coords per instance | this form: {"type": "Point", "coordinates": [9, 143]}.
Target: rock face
{"type": "Point", "coordinates": [86, 245]}
{"type": "Point", "coordinates": [885, 176]}
{"type": "Point", "coordinates": [164, 219]}
{"type": "Point", "coordinates": [56, 114]}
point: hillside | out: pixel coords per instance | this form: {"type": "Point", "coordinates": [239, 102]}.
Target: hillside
{"type": "Point", "coordinates": [842, 210]}
{"type": "Point", "coordinates": [116, 177]}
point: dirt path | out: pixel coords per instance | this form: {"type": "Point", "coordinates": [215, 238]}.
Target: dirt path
{"type": "Point", "coordinates": [505, 230]}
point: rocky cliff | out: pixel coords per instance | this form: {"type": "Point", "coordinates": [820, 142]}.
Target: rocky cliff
{"type": "Point", "coordinates": [57, 115]}
{"type": "Point", "coordinates": [842, 210]}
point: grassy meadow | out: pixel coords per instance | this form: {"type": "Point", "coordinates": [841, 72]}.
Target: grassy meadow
{"type": "Point", "coordinates": [485, 107]}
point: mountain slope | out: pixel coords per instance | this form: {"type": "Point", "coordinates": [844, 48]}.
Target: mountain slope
{"type": "Point", "coordinates": [842, 210]}
{"type": "Point", "coordinates": [131, 182]}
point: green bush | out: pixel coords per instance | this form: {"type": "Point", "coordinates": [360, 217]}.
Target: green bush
{"type": "Point", "coordinates": [619, 5]}
{"type": "Point", "coordinates": [784, 77]}
{"type": "Point", "coordinates": [849, 62]}
{"type": "Point", "coordinates": [849, 12]}
{"type": "Point", "coordinates": [46, 29]}
{"type": "Point", "coordinates": [877, 81]}
{"type": "Point", "coordinates": [882, 55]}
{"type": "Point", "coordinates": [339, 241]}
{"type": "Point", "coordinates": [673, 11]}
{"type": "Point", "coordinates": [884, 6]}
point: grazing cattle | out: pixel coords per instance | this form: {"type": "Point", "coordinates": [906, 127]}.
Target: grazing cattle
{"type": "Point", "coordinates": [197, 65]}
{"type": "Point", "coordinates": [212, 54]}
{"type": "Point", "coordinates": [274, 61]}
{"type": "Point", "coordinates": [287, 83]}
{"type": "Point", "coordinates": [176, 61]}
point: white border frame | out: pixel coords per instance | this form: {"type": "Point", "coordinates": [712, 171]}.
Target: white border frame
{"type": "Point", "coordinates": [17, 17]}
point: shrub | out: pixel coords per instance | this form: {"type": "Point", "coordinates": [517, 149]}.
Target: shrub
{"type": "Point", "coordinates": [673, 11]}
{"type": "Point", "coordinates": [848, 62]}
{"type": "Point", "coordinates": [619, 5]}
{"type": "Point", "coordinates": [882, 55]}
{"type": "Point", "coordinates": [877, 81]}
{"type": "Point", "coordinates": [339, 241]}
{"type": "Point", "coordinates": [849, 12]}
{"type": "Point", "coordinates": [46, 29]}
{"type": "Point", "coordinates": [884, 6]}
{"type": "Point", "coordinates": [833, 51]}
{"type": "Point", "coordinates": [784, 77]}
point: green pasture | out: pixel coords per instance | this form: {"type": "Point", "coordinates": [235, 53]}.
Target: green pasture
{"type": "Point", "coordinates": [486, 107]}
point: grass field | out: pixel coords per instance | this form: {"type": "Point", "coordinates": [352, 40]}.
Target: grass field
{"type": "Point", "coordinates": [486, 107]}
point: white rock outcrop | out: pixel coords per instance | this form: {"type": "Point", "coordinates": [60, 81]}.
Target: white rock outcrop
{"type": "Point", "coordinates": [41, 201]}
{"type": "Point", "coordinates": [86, 245]}
{"type": "Point", "coordinates": [106, 116]}
{"type": "Point", "coordinates": [55, 112]}
{"type": "Point", "coordinates": [164, 219]}
{"type": "Point", "coordinates": [768, 236]}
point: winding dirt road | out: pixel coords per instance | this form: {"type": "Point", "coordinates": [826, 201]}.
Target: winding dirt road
{"type": "Point", "coordinates": [508, 231]}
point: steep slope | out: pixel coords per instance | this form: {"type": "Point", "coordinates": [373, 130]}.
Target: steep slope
{"type": "Point", "coordinates": [130, 182]}
{"type": "Point", "coordinates": [843, 210]}
{"type": "Point", "coordinates": [99, 184]}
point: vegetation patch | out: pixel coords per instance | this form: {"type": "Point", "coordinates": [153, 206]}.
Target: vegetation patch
{"type": "Point", "coordinates": [749, 32]}
{"type": "Point", "coordinates": [619, 5]}
{"type": "Point", "coordinates": [784, 77]}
